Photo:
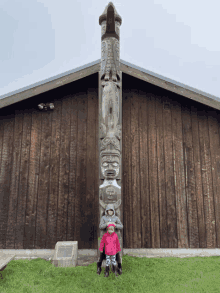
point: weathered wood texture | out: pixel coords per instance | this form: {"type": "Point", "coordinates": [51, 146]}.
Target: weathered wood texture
{"type": "Point", "coordinates": [49, 169]}
{"type": "Point", "coordinates": [171, 169]}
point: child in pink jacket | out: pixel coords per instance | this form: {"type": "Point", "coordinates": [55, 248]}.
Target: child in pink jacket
{"type": "Point", "coordinates": [112, 246]}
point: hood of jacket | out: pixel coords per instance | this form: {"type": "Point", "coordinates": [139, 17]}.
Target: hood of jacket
{"type": "Point", "coordinates": [110, 206]}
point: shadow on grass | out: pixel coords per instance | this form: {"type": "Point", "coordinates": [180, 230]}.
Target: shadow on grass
{"type": "Point", "coordinates": [194, 274]}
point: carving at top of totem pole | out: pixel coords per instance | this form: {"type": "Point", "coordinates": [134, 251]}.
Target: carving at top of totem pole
{"type": "Point", "coordinates": [110, 107]}
{"type": "Point", "coordinates": [110, 22]}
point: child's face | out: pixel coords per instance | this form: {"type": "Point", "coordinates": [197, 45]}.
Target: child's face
{"type": "Point", "coordinates": [110, 212]}
{"type": "Point", "coordinates": [110, 229]}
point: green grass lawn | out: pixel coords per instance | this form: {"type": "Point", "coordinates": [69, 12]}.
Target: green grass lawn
{"type": "Point", "coordinates": [194, 274]}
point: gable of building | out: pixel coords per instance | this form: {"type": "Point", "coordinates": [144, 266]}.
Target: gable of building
{"type": "Point", "coordinates": [94, 67]}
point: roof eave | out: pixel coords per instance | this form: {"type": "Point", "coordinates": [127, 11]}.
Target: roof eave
{"type": "Point", "coordinates": [94, 67]}
{"type": "Point", "coordinates": [49, 84]}
{"type": "Point", "coordinates": [170, 85]}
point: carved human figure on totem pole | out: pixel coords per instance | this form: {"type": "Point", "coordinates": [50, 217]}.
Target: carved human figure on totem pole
{"type": "Point", "coordinates": [110, 203]}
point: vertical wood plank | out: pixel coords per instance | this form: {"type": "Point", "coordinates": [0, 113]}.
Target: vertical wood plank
{"type": "Point", "coordinates": [161, 173]}
{"type": "Point", "coordinates": [213, 124]}
{"type": "Point", "coordinates": [153, 175]}
{"type": "Point", "coordinates": [90, 166]}
{"type": "Point", "coordinates": [96, 171]}
{"type": "Point", "coordinates": [144, 176]}
{"type": "Point", "coordinates": [54, 175]}
{"type": "Point", "coordinates": [207, 179]}
{"type": "Point", "coordinates": [5, 175]}
{"type": "Point", "coordinates": [130, 210]}
{"type": "Point", "coordinates": [179, 173]}
{"type": "Point", "coordinates": [72, 174]}
{"type": "Point", "coordinates": [169, 174]}
{"type": "Point", "coordinates": [190, 178]}
{"type": "Point", "coordinates": [198, 177]}
{"type": "Point", "coordinates": [135, 171]}
{"type": "Point", "coordinates": [126, 166]}
{"type": "Point", "coordinates": [44, 178]}
{"type": "Point", "coordinates": [64, 170]}
{"type": "Point", "coordinates": [23, 181]}
{"type": "Point", "coordinates": [13, 197]}
{"type": "Point", "coordinates": [30, 215]}
{"type": "Point", "coordinates": [1, 154]}
{"type": "Point", "coordinates": [1, 138]}
{"type": "Point", "coordinates": [81, 225]}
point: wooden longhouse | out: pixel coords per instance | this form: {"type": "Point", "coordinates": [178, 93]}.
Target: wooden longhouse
{"type": "Point", "coordinates": [49, 169]}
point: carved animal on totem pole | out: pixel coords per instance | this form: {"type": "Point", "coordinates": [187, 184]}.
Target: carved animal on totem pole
{"type": "Point", "coordinates": [110, 118]}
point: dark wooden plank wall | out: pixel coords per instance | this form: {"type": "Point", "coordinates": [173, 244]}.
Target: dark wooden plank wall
{"type": "Point", "coordinates": [49, 169]}
{"type": "Point", "coordinates": [171, 169]}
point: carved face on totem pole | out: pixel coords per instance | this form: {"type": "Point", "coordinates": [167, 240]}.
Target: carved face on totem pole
{"type": "Point", "coordinates": [110, 157]}
{"type": "Point", "coordinates": [110, 167]}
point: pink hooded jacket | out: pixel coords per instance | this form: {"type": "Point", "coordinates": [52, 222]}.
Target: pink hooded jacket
{"type": "Point", "coordinates": [112, 244]}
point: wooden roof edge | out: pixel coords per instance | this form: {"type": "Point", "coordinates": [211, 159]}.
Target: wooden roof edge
{"type": "Point", "coordinates": [49, 83]}
{"type": "Point", "coordinates": [169, 84]}
{"type": "Point", "coordinates": [93, 67]}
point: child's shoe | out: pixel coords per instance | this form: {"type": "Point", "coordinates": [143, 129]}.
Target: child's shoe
{"type": "Point", "coordinates": [99, 269]}
{"type": "Point", "coordinates": [106, 271]}
{"type": "Point", "coordinates": [119, 268]}
{"type": "Point", "coordinates": [115, 270]}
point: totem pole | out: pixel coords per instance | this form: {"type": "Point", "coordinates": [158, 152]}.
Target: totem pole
{"type": "Point", "coordinates": [110, 119]}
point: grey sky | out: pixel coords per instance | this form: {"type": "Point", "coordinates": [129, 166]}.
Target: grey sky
{"type": "Point", "coordinates": [177, 39]}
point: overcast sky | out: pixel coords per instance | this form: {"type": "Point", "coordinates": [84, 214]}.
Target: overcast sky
{"type": "Point", "coordinates": [177, 39]}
